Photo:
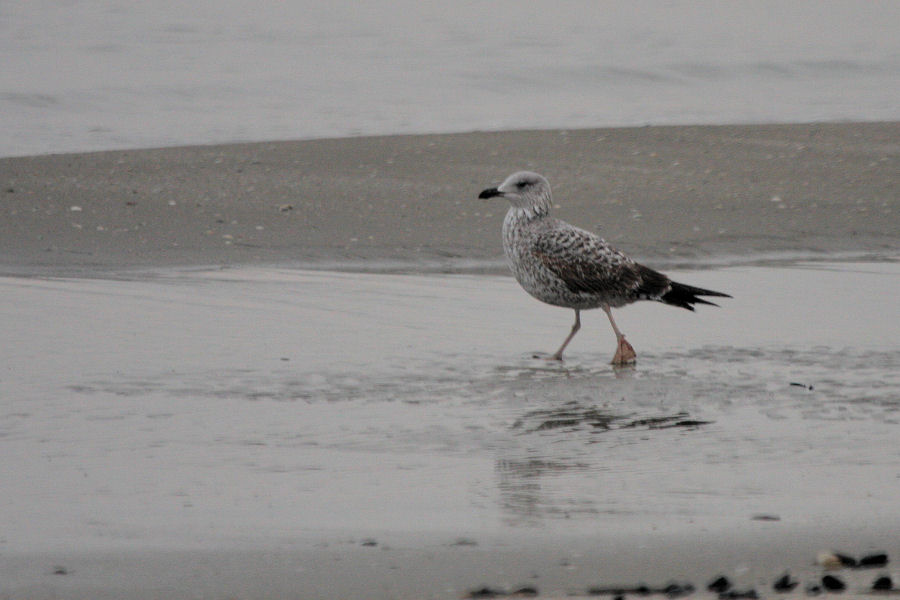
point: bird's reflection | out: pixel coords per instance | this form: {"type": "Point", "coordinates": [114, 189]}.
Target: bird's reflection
{"type": "Point", "coordinates": [566, 437]}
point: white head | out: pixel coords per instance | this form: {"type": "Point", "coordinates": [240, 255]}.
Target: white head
{"type": "Point", "coordinates": [523, 189]}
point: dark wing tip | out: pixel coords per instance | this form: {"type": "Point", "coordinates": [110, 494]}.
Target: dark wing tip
{"type": "Point", "coordinates": [686, 296]}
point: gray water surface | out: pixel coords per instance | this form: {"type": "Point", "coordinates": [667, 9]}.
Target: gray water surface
{"type": "Point", "coordinates": [81, 76]}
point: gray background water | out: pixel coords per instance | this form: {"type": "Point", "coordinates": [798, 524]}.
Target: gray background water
{"type": "Point", "coordinates": [80, 75]}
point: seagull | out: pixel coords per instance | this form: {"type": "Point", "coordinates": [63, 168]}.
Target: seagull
{"type": "Point", "coordinates": [563, 265]}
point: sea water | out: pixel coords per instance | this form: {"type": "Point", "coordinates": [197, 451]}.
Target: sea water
{"type": "Point", "coordinates": [79, 75]}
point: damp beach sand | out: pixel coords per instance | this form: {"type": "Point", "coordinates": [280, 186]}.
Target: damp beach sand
{"type": "Point", "coordinates": [667, 194]}
{"type": "Point", "coordinates": [299, 369]}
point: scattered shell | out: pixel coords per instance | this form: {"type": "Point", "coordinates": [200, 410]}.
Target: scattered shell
{"type": "Point", "coordinates": [829, 560]}
{"type": "Point", "coordinates": [739, 595]}
{"type": "Point", "coordinates": [720, 584]}
{"type": "Point", "coordinates": [873, 560]}
{"type": "Point", "coordinates": [833, 584]}
{"type": "Point", "coordinates": [784, 583]}
{"type": "Point", "coordinates": [883, 583]}
{"type": "Point", "coordinates": [464, 541]}
{"type": "Point", "coordinates": [486, 592]}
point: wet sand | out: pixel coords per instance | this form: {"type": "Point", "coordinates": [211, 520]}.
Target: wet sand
{"type": "Point", "coordinates": [256, 433]}
{"type": "Point", "coordinates": [173, 428]}
{"type": "Point", "coordinates": [666, 194]}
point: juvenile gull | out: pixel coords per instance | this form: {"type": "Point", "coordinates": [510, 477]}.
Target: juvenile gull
{"type": "Point", "coordinates": [563, 265]}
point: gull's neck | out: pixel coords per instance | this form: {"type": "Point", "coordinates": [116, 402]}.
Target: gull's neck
{"type": "Point", "coordinates": [528, 213]}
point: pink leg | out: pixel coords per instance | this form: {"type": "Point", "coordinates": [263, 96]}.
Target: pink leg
{"type": "Point", "coordinates": [625, 354]}
{"type": "Point", "coordinates": [575, 328]}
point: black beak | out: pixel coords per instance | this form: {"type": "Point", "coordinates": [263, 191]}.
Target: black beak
{"type": "Point", "coordinates": [490, 193]}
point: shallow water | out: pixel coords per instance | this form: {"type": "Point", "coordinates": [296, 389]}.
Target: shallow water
{"type": "Point", "coordinates": [81, 76]}
{"type": "Point", "coordinates": [227, 408]}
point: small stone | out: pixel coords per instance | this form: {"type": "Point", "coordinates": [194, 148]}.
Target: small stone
{"type": "Point", "coordinates": [675, 590]}
{"type": "Point", "coordinates": [829, 560]}
{"type": "Point", "coordinates": [486, 592]}
{"type": "Point", "coordinates": [846, 561]}
{"type": "Point", "coordinates": [739, 595]}
{"type": "Point", "coordinates": [813, 590]}
{"type": "Point", "coordinates": [369, 542]}
{"type": "Point", "coordinates": [873, 560]}
{"type": "Point", "coordinates": [464, 541]}
{"type": "Point", "coordinates": [784, 583]}
{"type": "Point", "coordinates": [719, 585]}
{"type": "Point", "coordinates": [883, 583]}
{"type": "Point", "coordinates": [60, 570]}
{"type": "Point", "coordinates": [285, 207]}
{"type": "Point", "coordinates": [75, 208]}
{"type": "Point", "coordinates": [525, 591]}
{"type": "Point", "coordinates": [833, 584]}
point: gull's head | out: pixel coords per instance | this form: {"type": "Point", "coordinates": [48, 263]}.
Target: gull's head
{"type": "Point", "coordinates": [523, 189]}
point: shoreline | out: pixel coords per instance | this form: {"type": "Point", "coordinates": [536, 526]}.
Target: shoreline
{"type": "Point", "coordinates": [663, 194]}
{"type": "Point", "coordinates": [446, 565]}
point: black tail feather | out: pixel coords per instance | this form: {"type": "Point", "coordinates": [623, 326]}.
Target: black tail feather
{"type": "Point", "coordinates": [686, 296]}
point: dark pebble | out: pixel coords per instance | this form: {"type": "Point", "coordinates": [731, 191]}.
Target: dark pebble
{"type": "Point", "coordinates": [486, 592]}
{"type": "Point", "coordinates": [642, 590]}
{"type": "Point", "coordinates": [873, 560]}
{"type": "Point", "coordinates": [784, 583]}
{"type": "Point", "coordinates": [882, 584]}
{"type": "Point", "coordinates": [720, 584]}
{"type": "Point", "coordinates": [60, 571]}
{"type": "Point", "coordinates": [527, 590]}
{"type": "Point", "coordinates": [833, 584]}
{"type": "Point", "coordinates": [369, 542]}
{"type": "Point", "coordinates": [599, 591]}
{"type": "Point", "coordinates": [847, 561]}
{"type": "Point", "coordinates": [813, 590]}
{"type": "Point", "coordinates": [676, 590]}
{"type": "Point", "coordinates": [739, 595]}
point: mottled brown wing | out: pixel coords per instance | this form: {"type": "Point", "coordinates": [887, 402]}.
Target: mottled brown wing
{"type": "Point", "coordinates": [587, 264]}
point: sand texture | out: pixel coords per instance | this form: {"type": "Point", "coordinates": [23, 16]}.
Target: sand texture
{"type": "Point", "coordinates": [660, 193]}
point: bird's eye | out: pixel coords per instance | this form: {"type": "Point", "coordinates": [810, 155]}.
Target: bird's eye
{"type": "Point", "coordinates": [522, 185]}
